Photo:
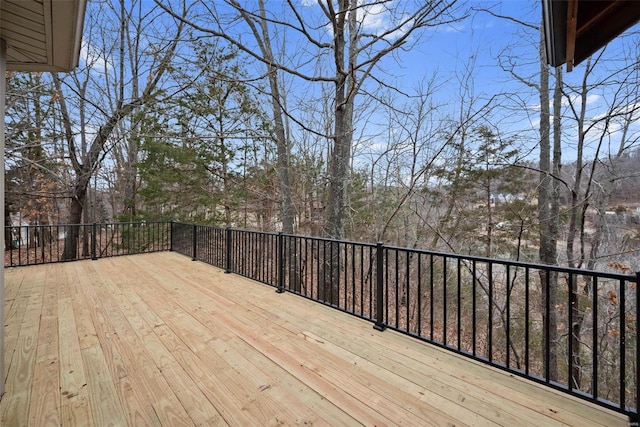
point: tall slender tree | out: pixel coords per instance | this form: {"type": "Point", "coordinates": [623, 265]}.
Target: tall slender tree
{"type": "Point", "coordinates": [107, 77]}
{"type": "Point", "coordinates": [355, 51]}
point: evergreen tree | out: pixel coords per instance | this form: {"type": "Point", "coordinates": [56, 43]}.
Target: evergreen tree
{"type": "Point", "coordinates": [490, 187]}
{"type": "Point", "coordinates": [193, 168]}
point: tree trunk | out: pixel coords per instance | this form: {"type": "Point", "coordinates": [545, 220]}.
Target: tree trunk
{"type": "Point", "coordinates": [73, 229]}
{"type": "Point", "coordinates": [548, 230]}
{"type": "Point", "coordinates": [578, 206]}
{"type": "Point", "coordinates": [287, 211]}
{"type": "Point", "coordinates": [340, 157]}
{"type": "Point", "coordinates": [286, 203]}
{"type": "Point", "coordinates": [85, 160]}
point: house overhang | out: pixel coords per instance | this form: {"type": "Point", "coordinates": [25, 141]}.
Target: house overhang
{"type": "Point", "coordinates": [42, 35]}
{"type": "Point", "coordinates": [575, 29]}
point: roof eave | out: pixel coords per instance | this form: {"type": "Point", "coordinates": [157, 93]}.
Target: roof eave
{"type": "Point", "coordinates": [575, 29]}
{"type": "Point", "coordinates": [64, 20]}
{"type": "Point", "coordinates": [554, 18]}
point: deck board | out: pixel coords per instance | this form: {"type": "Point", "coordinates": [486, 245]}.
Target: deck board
{"type": "Point", "coordinates": [160, 340]}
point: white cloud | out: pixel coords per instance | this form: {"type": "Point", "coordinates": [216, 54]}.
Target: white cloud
{"type": "Point", "coordinates": [454, 28]}
{"type": "Point", "coordinates": [615, 126]}
{"type": "Point", "coordinates": [632, 109]}
{"type": "Point", "coordinates": [591, 99]}
{"type": "Point", "coordinates": [375, 19]}
{"type": "Point", "coordinates": [94, 58]}
{"type": "Point", "coordinates": [575, 100]}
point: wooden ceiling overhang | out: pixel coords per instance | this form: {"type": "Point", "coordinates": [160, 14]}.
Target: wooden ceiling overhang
{"type": "Point", "coordinates": [42, 35]}
{"type": "Point", "coordinates": [575, 29]}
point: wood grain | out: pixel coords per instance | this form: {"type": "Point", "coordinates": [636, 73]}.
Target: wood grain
{"type": "Point", "coordinates": [160, 340]}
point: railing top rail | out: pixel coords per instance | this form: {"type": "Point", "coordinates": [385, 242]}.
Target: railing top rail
{"type": "Point", "coordinates": [243, 230]}
{"type": "Point", "coordinates": [87, 224]}
{"type": "Point", "coordinates": [218, 227]}
{"type": "Point", "coordinates": [328, 239]}
{"type": "Point", "coordinates": [340, 274]}
{"type": "Point", "coordinates": [524, 264]}
{"type": "Point", "coordinates": [297, 236]}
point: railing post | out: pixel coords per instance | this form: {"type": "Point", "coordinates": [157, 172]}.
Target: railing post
{"type": "Point", "coordinates": [227, 261]}
{"type": "Point", "coordinates": [194, 252]}
{"type": "Point", "coordinates": [94, 227]}
{"type": "Point", "coordinates": [42, 241]}
{"type": "Point", "coordinates": [171, 236]}
{"type": "Point", "coordinates": [379, 325]}
{"type": "Point", "coordinates": [280, 260]}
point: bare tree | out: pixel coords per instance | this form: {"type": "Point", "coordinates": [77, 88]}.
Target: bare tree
{"type": "Point", "coordinates": [549, 141]}
{"type": "Point", "coordinates": [594, 181]}
{"type": "Point", "coordinates": [105, 75]}
{"type": "Point", "coordinates": [260, 30]}
{"type": "Point", "coordinates": [339, 41]}
{"type": "Point", "coordinates": [354, 51]}
{"type": "Point", "coordinates": [549, 206]}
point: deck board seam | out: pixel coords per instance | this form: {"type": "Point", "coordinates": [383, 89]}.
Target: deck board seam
{"type": "Point", "coordinates": [154, 326]}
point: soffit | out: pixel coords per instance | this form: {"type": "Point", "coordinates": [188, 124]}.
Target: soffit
{"type": "Point", "coordinates": [575, 29]}
{"type": "Point", "coordinates": [42, 35]}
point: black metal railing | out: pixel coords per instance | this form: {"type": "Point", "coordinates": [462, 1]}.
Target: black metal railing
{"type": "Point", "coordinates": [570, 329]}
{"type": "Point", "coordinates": [42, 244]}
{"type": "Point", "coordinates": [337, 273]}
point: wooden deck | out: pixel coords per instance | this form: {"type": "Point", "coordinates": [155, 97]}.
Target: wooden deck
{"type": "Point", "coordinates": [160, 340]}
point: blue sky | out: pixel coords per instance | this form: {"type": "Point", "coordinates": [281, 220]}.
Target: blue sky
{"type": "Point", "coordinates": [471, 51]}
{"type": "Point", "coordinates": [481, 36]}
{"type": "Point", "coordinates": [476, 51]}
{"type": "Point", "coordinates": [486, 41]}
